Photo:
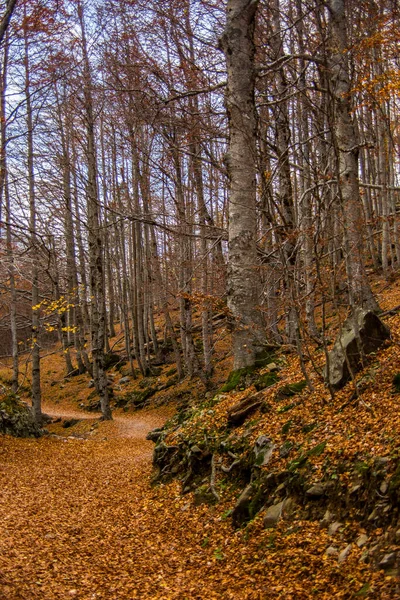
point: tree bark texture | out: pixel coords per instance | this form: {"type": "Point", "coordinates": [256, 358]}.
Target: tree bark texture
{"type": "Point", "coordinates": [243, 276]}
{"type": "Point", "coordinates": [347, 150]}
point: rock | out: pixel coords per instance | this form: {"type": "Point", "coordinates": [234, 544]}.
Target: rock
{"type": "Point", "coordinates": [16, 418]}
{"type": "Point", "coordinates": [331, 551]}
{"type": "Point", "coordinates": [397, 536]}
{"type": "Point", "coordinates": [346, 351]}
{"type": "Point", "coordinates": [381, 461]}
{"type": "Point", "coordinates": [263, 449]}
{"type": "Point", "coordinates": [241, 510]}
{"type": "Point", "coordinates": [354, 488]}
{"type": "Point", "coordinates": [388, 561]}
{"type": "Point", "coordinates": [327, 519]}
{"type": "Point", "coordinates": [91, 384]}
{"type": "Point", "coordinates": [317, 490]}
{"type": "Point", "coordinates": [240, 411]}
{"type": "Point", "coordinates": [272, 367]}
{"type": "Point", "coordinates": [384, 487]}
{"type": "Point", "coordinates": [155, 434]}
{"type": "Point", "coordinates": [204, 495]}
{"type": "Point", "coordinates": [362, 540]}
{"type": "Point", "coordinates": [124, 380]}
{"type": "Point", "coordinates": [273, 515]}
{"type": "Point", "coordinates": [344, 554]}
{"type": "Point", "coordinates": [333, 527]}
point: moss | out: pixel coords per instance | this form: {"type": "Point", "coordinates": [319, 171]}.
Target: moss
{"type": "Point", "coordinates": [138, 398]}
{"type": "Point", "coordinates": [265, 381]}
{"type": "Point", "coordinates": [110, 360]}
{"type": "Point", "coordinates": [264, 358]}
{"type": "Point", "coordinates": [310, 427]}
{"type": "Point", "coordinates": [362, 467]}
{"type": "Point", "coordinates": [235, 378]}
{"type": "Point", "coordinates": [394, 484]}
{"type": "Point", "coordinates": [16, 418]}
{"type": "Point", "coordinates": [146, 382]}
{"type": "Point", "coordinates": [288, 407]}
{"type": "Point", "coordinates": [285, 449]}
{"type": "Point", "coordinates": [317, 450]}
{"type": "Point", "coordinates": [243, 378]}
{"type": "Point", "coordinates": [257, 502]}
{"type": "Point", "coordinates": [286, 427]}
{"type": "Point", "coordinates": [297, 463]}
{"type": "Point", "coordinates": [292, 389]}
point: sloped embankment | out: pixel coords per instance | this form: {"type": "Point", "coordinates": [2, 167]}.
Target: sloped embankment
{"type": "Point", "coordinates": [285, 456]}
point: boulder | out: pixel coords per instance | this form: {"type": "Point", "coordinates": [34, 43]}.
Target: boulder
{"type": "Point", "coordinates": [241, 511]}
{"type": "Point", "coordinates": [388, 561]}
{"type": "Point", "coordinates": [263, 449]}
{"type": "Point", "coordinates": [276, 511]}
{"type": "Point", "coordinates": [318, 490]}
{"type": "Point", "coordinates": [361, 334]}
{"type": "Point", "coordinates": [16, 418]}
{"type": "Point", "coordinates": [344, 553]}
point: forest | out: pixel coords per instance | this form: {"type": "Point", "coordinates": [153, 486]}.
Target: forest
{"type": "Point", "coordinates": [200, 243]}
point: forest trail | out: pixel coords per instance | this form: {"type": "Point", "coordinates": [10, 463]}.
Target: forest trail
{"type": "Point", "coordinates": [122, 426]}
{"type": "Point", "coordinates": [80, 520]}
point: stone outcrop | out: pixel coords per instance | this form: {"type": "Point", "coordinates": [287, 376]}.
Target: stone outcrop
{"type": "Point", "coordinates": [16, 418]}
{"type": "Point", "coordinates": [362, 333]}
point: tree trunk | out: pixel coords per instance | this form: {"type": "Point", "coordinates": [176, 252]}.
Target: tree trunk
{"type": "Point", "coordinates": [248, 333]}
{"type": "Point", "coordinates": [347, 150]}
{"type": "Point", "coordinates": [97, 305]}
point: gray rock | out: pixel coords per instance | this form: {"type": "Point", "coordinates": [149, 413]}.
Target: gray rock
{"type": "Point", "coordinates": [344, 554]}
{"type": "Point", "coordinates": [388, 561]}
{"type": "Point", "coordinates": [317, 490]}
{"type": "Point", "coordinates": [241, 511]}
{"type": "Point", "coordinates": [124, 380]}
{"type": "Point", "coordinates": [346, 351]}
{"type": "Point", "coordinates": [273, 515]}
{"type": "Point", "coordinates": [276, 511]}
{"type": "Point", "coordinates": [334, 527]}
{"type": "Point", "coordinates": [384, 487]}
{"type": "Point", "coordinates": [331, 551]}
{"type": "Point", "coordinates": [91, 384]}
{"type": "Point", "coordinates": [327, 519]}
{"type": "Point", "coordinates": [263, 449]}
{"type": "Point", "coordinates": [362, 540]}
{"type": "Point", "coordinates": [272, 367]}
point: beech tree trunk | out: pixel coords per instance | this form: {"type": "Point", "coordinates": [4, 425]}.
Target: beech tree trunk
{"type": "Point", "coordinates": [96, 267]}
{"type": "Point", "coordinates": [243, 276]}
{"type": "Point", "coordinates": [347, 150]}
{"type": "Point", "coordinates": [36, 388]}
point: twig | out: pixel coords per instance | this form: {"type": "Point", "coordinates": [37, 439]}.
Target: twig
{"type": "Point", "coordinates": [212, 479]}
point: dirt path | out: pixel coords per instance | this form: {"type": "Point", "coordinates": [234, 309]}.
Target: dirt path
{"type": "Point", "coordinates": [122, 426]}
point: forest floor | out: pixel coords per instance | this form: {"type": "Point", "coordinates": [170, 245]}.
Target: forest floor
{"type": "Point", "coordinates": [79, 517]}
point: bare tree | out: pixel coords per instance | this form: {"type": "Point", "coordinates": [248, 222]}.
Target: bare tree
{"type": "Point", "coordinates": [243, 276]}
